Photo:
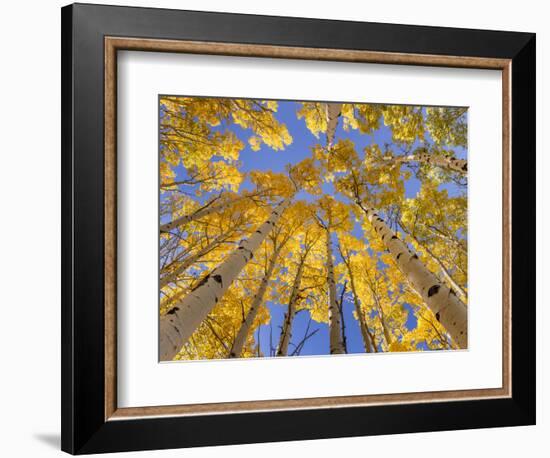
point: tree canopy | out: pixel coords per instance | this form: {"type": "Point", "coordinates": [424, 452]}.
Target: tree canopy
{"type": "Point", "coordinates": [306, 228]}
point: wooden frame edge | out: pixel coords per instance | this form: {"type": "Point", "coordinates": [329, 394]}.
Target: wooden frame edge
{"type": "Point", "coordinates": [111, 46]}
{"type": "Point", "coordinates": [290, 52]}
{"type": "Point", "coordinates": [507, 227]}
{"type": "Point", "coordinates": [110, 200]}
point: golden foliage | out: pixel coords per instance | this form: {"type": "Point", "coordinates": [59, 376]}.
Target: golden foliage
{"type": "Point", "coordinates": [205, 137]}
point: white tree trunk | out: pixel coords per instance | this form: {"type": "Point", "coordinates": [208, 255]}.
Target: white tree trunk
{"type": "Point", "coordinates": [333, 113]}
{"type": "Point", "coordinates": [184, 317]}
{"type": "Point", "coordinates": [334, 322]}
{"type": "Point", "coordinates": [190, 260]}
{"type": "Point", "coordinates": [365, 334]}
{"type": "Point", "coordinates": [206, 210]}
{"type": "Point", "coordinates": [286, 332]}
{"type": "Point", "coordinates": [447, 162]}
{"type": "Point", "coordinates": [368, 341]}
{"type": "Point", "coordinates": [443, 302]}
{"type": "Point", "coordinates": [446, 274]}
{"type": "Point", "coordinates": [202, 212]}
{"type": "Point", "coordinates": [244, 330]}
{"type": "Point", "coordinates": [438, 233]}
{"type": "Point", "coordinates": [383, 322]}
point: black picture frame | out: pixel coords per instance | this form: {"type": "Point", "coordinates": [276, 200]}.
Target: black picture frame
{"type": "Point", "coordinates": [84, 427]}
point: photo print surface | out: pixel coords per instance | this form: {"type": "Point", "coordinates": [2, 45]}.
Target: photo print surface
{"type": "Point", "coordinates": [295, 228]}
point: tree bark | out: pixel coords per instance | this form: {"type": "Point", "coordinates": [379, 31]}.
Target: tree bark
{"type": "Point", "coordinates": [382, 317]}
{"type": "Point", "coordinates": [335, 330]}
{"type": "Point", "coordinates": [205, 210]}
{"type": "Point", "coordinates": [333, 113]}
{"type": "Point", "coordinates": [368, 339]}
{"type": "Point", "coordinates": [286, 332]}
{"type": "Point", "coordinates": [444, 303]}
{"type": "Point", "coordinates": [439, 233]}
{"type": "Point", "coordinates": [447, 162]}
{"type": "Point", "coordinates": [179, 323]}
{"type": "Point", "coordinates": [446, 274]}
{"type": "Point", "coordinates": [340, 304]}
{"type": "Point", "coordinates": [200, 213]}
{"type": "Point", "coordinates": [240, 339]}
{"type": "Point", "coordinates": [190, 260]}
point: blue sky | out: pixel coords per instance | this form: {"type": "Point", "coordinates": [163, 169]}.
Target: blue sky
{"type": "Point", "coordinates": [269, 160]}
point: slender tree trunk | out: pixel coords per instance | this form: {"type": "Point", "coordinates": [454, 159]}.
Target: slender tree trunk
{"type": "Point", "coordinates": [340, 304]}
{"type": "Point", "coordinates": [335, 331]}
{"type": "Point", "coordinates": [200, 213]}
{"type": "Point", "coordinates": [286, 332]}
{"type": "Point", "coordinates": [184, 318]}
{"type": "Point", "coordinates": [369, 334]}
{"type": "Point", "coordinates": [190, 260]}
{"type": "Point", "coordinates": [447, 162]}
{"type": "Point", "coordinates": [244, 330]}
{"type": "Point", "coordinates": [438, 233]}
{"type": "Point", "coordinates": [383, 322]}
{"type": "Point", "coordinates": [368, 339]}
{"type": "Point", "coordinates": [205, 210]}
{"type": "Point", "coordinates": [446, 274]}
{"type": "Point", "coordinates": [333, 113]}
{"type": "Point", "coordinates": [444, 303]}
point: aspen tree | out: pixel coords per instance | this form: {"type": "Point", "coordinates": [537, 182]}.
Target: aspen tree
{"type": "Point", "coordinates": [185, 316]}
{"type": "Point", "coordinates": [286, 331]}
{"type": "Point", "coordinates": [368, 339]}
{"type": "Point", "coordinates": [258, 298]}
{"type": "Point", "coordinates": [190, 260]}
{"type": "Point", "coordinates": [423, 157]}
{"type": "Point", "coordinates": [443, 301]}
{"type": "Point", "coordinates": [333, 113]}
{"type": "Point", "coordinates": [295, 296]}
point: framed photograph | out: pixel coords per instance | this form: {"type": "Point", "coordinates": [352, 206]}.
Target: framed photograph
{"type": "Point", "coordinates": [281, 228]}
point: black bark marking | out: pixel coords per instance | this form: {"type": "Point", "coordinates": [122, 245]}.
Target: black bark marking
{"type": "Point", "coordinates": [172, 311]}
{"type": "Point", "coordinates": [202, 282]}
{"type": "Point", "coordinates": [218, 278]}
{"type": "Point", "coordinates": [394, 237]}
{"type": "Point", "coordinates": [465, 167]}
{"type": "Point", "coordinates": [437, 316]}
{"type": "Point", "coordinates": [399, 255]}
{"type": "Point", "coordinates": [433, 290]}
{"type": "Point", "coordinates": [258, 232]}
{"type": "Point", "coordinates": [414, 256]}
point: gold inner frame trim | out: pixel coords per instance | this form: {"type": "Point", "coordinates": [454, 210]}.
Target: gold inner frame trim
{"type": "Point", "coordinates": [114, 44]}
